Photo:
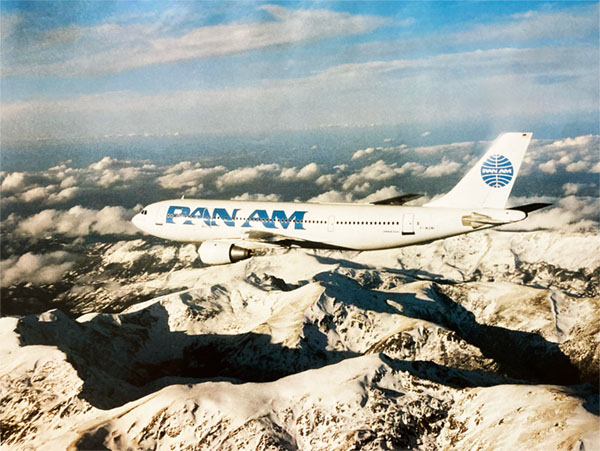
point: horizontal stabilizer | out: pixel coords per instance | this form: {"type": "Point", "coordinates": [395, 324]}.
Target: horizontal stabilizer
{"type": "Point", "coordinates": [530, 207]}
{"type": "Point", "coordinates": [398, 200]}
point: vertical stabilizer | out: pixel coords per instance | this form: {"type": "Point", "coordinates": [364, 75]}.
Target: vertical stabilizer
{"type": "Point", "coordinates": [489, 183]}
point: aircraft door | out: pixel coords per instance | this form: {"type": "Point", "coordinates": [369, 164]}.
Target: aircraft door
{"type": "Point", "coordinates": [408, 224]}
{"type": "Point", "coordinates": [330, 223]}
{"type": "Point", "coordinates": [161, 213]}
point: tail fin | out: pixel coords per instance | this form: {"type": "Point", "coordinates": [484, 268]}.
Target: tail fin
{"type": "Point", "coordinates": [489, 182]}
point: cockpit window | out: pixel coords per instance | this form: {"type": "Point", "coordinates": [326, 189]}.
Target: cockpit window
{"type": "Point", "coordinates": [144, 212]}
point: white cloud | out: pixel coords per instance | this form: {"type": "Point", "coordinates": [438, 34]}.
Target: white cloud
{"type": "Point", "coordinates": [193, 191]}
{"type": "Point", "coordinates": [326, 179]}
{"type": "Point", "coordinates": [332, 196]}
{"type": "Point", "coordinates": [308, 172]}
{"type": "Point", "coordinates": [77, 221]}
{"type": "Point", "coordinates": [570, 214]}
{"type": "Point", "coordinates": [36, 269]}
{"type": "Point", "coordinates": [492, 62]}
{"type": "Point", "coordinates": [114, 177]}
{"type": "Point", "coordinates": [104, 163]}
{"type": "Point", "coordinates": [376, 171]}
{"type": "Point", "coordinates": [536, 25]}
{"type": "Point", "coordinates": [380, 171]}
{"type": "Point", "coordinates": [111, 220]}
{"type": "Point", "coordinates": [47, 195]}
{"type": "Point", "coordinates": [443, 168]}
{"type": "Point", "coordinates": [35, 194]}
{"type": "Point", "coordinates": [384, 193]}
{"type": "Point", "coordinates": [258, 197]}
{"type": "Point", "coordinates": [530, 27]}
{"type": "Point", "coordinates": [579, 166]}
{"type": "Point", "coordinates": [565, 159]}
{"type": "Point", "coordinates": [465, 147]}
{"type": "Point", "coordinates": [112, 48]}
{"type": "Point", "coordinates": [68, 182]}
{"type": "Point", "coordinates": [427, 133]}
{"type": "Point", "coordinates": [288, 173]}
{"type": "Point", "coordinates": [64, 195]}
{"type": "Point", "coordinates": [362, 152]}
{"type": "Point", "coordinates": [13, 181]}
{"type": "Point", "coordinates": [106, 173]}
{"type": "Point", "coordinates": [246, 175]}
{"type": "Point", "coordinates": [570, 188]}
{"type": "Point", "coordinates": [548, 167]}
{"type": "Point", "coordinates": [499, 88]}
{"type": "Point", "coordinates": [62, 183]}
{"type": "Point", "coordinates": [38, 224]}
{"type": "Point", "coordinates": [576, 154]}
{"type": "Point", "coordinates": [411, 167]}
{"type": "Point", "coordinates": [579, 141]}
{"type": "Point", "coordinates": [359, 189]}
{"type": "Point", "coordinates": [187, 175]}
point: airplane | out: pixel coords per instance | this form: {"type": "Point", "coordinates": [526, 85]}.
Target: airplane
{"type": "Point", "coordinates": [231, 231]}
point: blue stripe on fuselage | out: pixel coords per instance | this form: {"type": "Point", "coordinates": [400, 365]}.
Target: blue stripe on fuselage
{"type": "Point", "coordinates": [257, 216]}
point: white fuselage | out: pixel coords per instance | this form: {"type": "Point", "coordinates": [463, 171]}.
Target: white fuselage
{"type": "Point", "coordinates": [349, 226]}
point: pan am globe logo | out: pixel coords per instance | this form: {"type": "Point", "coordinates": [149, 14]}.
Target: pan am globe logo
{"type": "Point", "coordinates": [497, 171]}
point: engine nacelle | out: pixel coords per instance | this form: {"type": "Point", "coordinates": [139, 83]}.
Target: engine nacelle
{"type": "Point", "coordinates": [222, 252]}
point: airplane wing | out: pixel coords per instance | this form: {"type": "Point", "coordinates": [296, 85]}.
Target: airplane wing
{"type": "Point", "coordinates": [398, 200]}
{"type": "Point", "coordinates": [261, 238]}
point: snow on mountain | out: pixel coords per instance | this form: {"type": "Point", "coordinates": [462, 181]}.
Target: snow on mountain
{"type": "Point", "coordinates": [569, 262]}
{"type": "Point", "coordinates": [476, 341]}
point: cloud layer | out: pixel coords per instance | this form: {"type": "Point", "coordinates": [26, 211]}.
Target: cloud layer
{"type": "Point", "coordinates": [74, 222]}
{"type": "Point", "coordinates": [64, 187]}
{"type": "Point", "coordinates": [366, 170]}
{"type": "Point", "coordinates": [117, 48]}
{"type": "Point", "coordinates": [55, 203]}
{"type": "Point", "coordinates": [36, 269]}
{"type": "Point", "coordinates": [287, 68]}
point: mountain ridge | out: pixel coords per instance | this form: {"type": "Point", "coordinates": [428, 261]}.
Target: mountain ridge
{"type": "Point", "coordinates": [312, 350]}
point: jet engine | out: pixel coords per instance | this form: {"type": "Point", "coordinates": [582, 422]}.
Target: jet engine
{"type": "Point", "coordinates": [222, 252]}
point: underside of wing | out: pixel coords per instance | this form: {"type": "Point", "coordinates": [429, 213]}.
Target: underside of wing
{"type": "Point", "coordinates": [269, 239]}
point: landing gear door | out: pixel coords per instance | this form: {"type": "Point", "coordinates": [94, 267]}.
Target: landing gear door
{"type": "Point", "coordinates": [408, 224]}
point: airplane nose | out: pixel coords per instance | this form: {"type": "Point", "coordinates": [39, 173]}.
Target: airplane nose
{"type": "Point", "coordinates": [136, 220]}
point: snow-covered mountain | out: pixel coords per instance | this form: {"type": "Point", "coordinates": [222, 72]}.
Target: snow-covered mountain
{"type": "Point", "coordinates": [475, 342]}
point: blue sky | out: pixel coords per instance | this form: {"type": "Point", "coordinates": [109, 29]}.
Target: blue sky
{"type": "Point", "coordinates": [96, 69]}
